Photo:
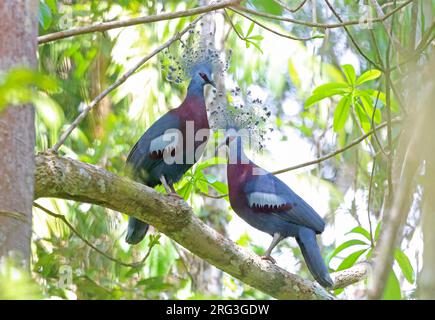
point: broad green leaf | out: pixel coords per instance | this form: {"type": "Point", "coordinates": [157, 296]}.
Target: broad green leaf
{"type": "Point", "coordinates": [350, 260]}
{"type": "Point", "coordinates": [349, 72]}
{"type": "Point", "coordinates": [339, 87]}
{"type": "Point", "coordinates": [44, 15]}
{"type": "Point", "coordinates": [368, 76]}
{"type": "Point", "coordinates": [238, 28]}
{"type": "Point", "coordinates": [256, 45]}
{"type": "Point", "coordinates": [251, 27]}
{"type": "Point", "coordinates": [341, 113]}
{"type": "Point", "coordinates": [320, 96]}
{"type": "Point", "coordinates": [360, 230]}
{"type": "Point", "coordinates": [211, 162]}
{"type": "Point", "coordinates": [338, 291]}
{"type": "Point", "coordinates": [369, 254]}
{"type": "Point", "coordinates": [210, 178]}
{"type": "Point", "coordinates": [345, 245]}
{"type": "Point", "coordinates": [267, 6]}
{"type": "Point", "coordinates": [202, 185]}
{"type": "Point", "coordinates": [52, 5]}
{"type": "Point", "coordinates": [378, 230]}
{"type": "Point", "coordinates": [363, 117]}
{"type": "Point", "coordinates": [382, 97]}
{"type": "Point", "coordinates": [369, 108]}
{"type": "Point", "coordinates": [392, 288]}
{"type": "Point", "coordinates": [257, 37]}
{"type": "Point", "coordinates": [405, 265]}
{"type": "Point", "coordinates": [220, 187]}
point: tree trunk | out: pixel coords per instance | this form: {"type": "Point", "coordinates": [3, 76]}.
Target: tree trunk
{"type": "Point", "coordinates": [18, 43]}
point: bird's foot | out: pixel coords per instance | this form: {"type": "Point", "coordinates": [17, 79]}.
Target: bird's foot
{"type": "Point", "coordinates": [268, 258]}
{"type": "Point", "coordinates": [175, 195]}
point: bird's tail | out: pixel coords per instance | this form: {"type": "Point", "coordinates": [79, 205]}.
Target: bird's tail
{"type": "Point", "coordinates": [136, 230]}
{"type": "Point", "coordinates": [311, 252]}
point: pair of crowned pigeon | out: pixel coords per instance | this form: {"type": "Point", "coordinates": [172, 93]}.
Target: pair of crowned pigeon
{"type": "Point", "coordinates": [258, 197]}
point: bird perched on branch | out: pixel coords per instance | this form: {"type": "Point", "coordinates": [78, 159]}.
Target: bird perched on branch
{"type": "Point", "coordinates": [260, 198]}
{"type": "Point", "coordinates": [176, 141]}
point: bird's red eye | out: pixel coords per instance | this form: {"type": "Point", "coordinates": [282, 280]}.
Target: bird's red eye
{"type": "Point", "coordinates": [204, 76]}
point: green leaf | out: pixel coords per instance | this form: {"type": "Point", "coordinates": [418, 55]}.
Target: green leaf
{"type": "Point", "coordinates": [211, 162]}
{"type": "Point", "coordinates": [341, 113]}
{"type": "Point", "coordinates": [251, 27]}
{"type": "Point", "coordinates": [368, 76]}
{"type": "Point", "coordinates": [52, 5]}
{"type": "Point", "coordinates": [383, 98]}
{"type": "Point", "coordinates": [345, 245]}
{"type": "Point", "coordinates": [210, 178]}
{"type": "Point", "coordinates": [350, 260]}
{"type": "Point", "coordinates": [267, 6]}
{"type": "Point", "coordinates": [238, 28]}
{"type": "Point", "coordinates": [349, 72]}
{"type": "Point", "coordinates": [339, 87]}
{"type": "Point", "coordinates": [360, 230]}
{"type": "Point", "coordinates": [257, 37]}
{"type": "Point", "coordinates": [369, 108]}
{"type": "Point", "coordinates": [256, 46]}
{"type": "Point", "coordinates": [44, 15]}
{"type": "Point", "coordinates": [405, 265]}
{"type": "Point", "coordinates": [202, 185]}
{"type": "Point", "coordinates": [378, 230]}
{"type": "Point", "coordinates": [392, 288]}
{"type": "Point", "coordinates": [220, 187]}
{"type": "Point", "coordinates": [363, 117]}
{"type": "Point", "coordinates": [319, 96]}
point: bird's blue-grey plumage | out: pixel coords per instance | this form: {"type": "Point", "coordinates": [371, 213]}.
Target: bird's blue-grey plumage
{"type": "Point", "coordinates": [294, 208]}
{"type": "Point", "coordinates": [147, 170]}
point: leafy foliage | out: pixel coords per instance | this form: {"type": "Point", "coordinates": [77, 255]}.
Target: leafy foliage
{"type": "Point", "coordinates": [353, 98]}
{"type": "Point", "coordinates": [73, 71]}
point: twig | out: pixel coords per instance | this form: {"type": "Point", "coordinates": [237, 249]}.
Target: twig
{"type": "Point", "coordinates": [274, 31]}
{"type": "Point", "coordinates": [233, 26]}
{"type": "Point", "coordinates": [117, 83]}
{"type": "Point", "coordinates": [355, 43]}
{"type": "Point", "coordinates": [387, 26]}
{"type": "Point", "coordinates": [426, 40]}
{"type": "Point", "coordinates": [389, 129]}
{"type": "Point", "coordinates": [320, 25]}
{"type": "Point", "coordinates": [333, 154]}
{"type": "Point", "coordinates": [104, 26]}
{"type": "Point", "coordinates": [373, 123]}
{"type": "Point", "coordinates": [283, 5]}
{"type": "Point", "coordinates": [330, 155]}
{"type": "Point", "coordinates": [372, 242]}
{"type": "Point", "coordinates": [175, 245]}
{"type": "Point", "coordinates": [104, 254]}
{"type": "Point", "coordinates": [213, 196]}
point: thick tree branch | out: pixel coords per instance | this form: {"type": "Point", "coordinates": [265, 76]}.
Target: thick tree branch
{"type": "Point", "coordinates": [358, 272]}
{"type": "Point", "coordinates": [104, 26]}
{"type": "Point", "coordinates": [70, 179]}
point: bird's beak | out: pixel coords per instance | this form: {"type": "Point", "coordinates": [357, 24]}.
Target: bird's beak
{"type": "Point", "coordinates": [212, 83]}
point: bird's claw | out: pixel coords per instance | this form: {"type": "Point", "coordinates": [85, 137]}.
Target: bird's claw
{"type": "Point", "coordinates": [268, 258]}
{"type": "Point", "coordinates": [175, 195]}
